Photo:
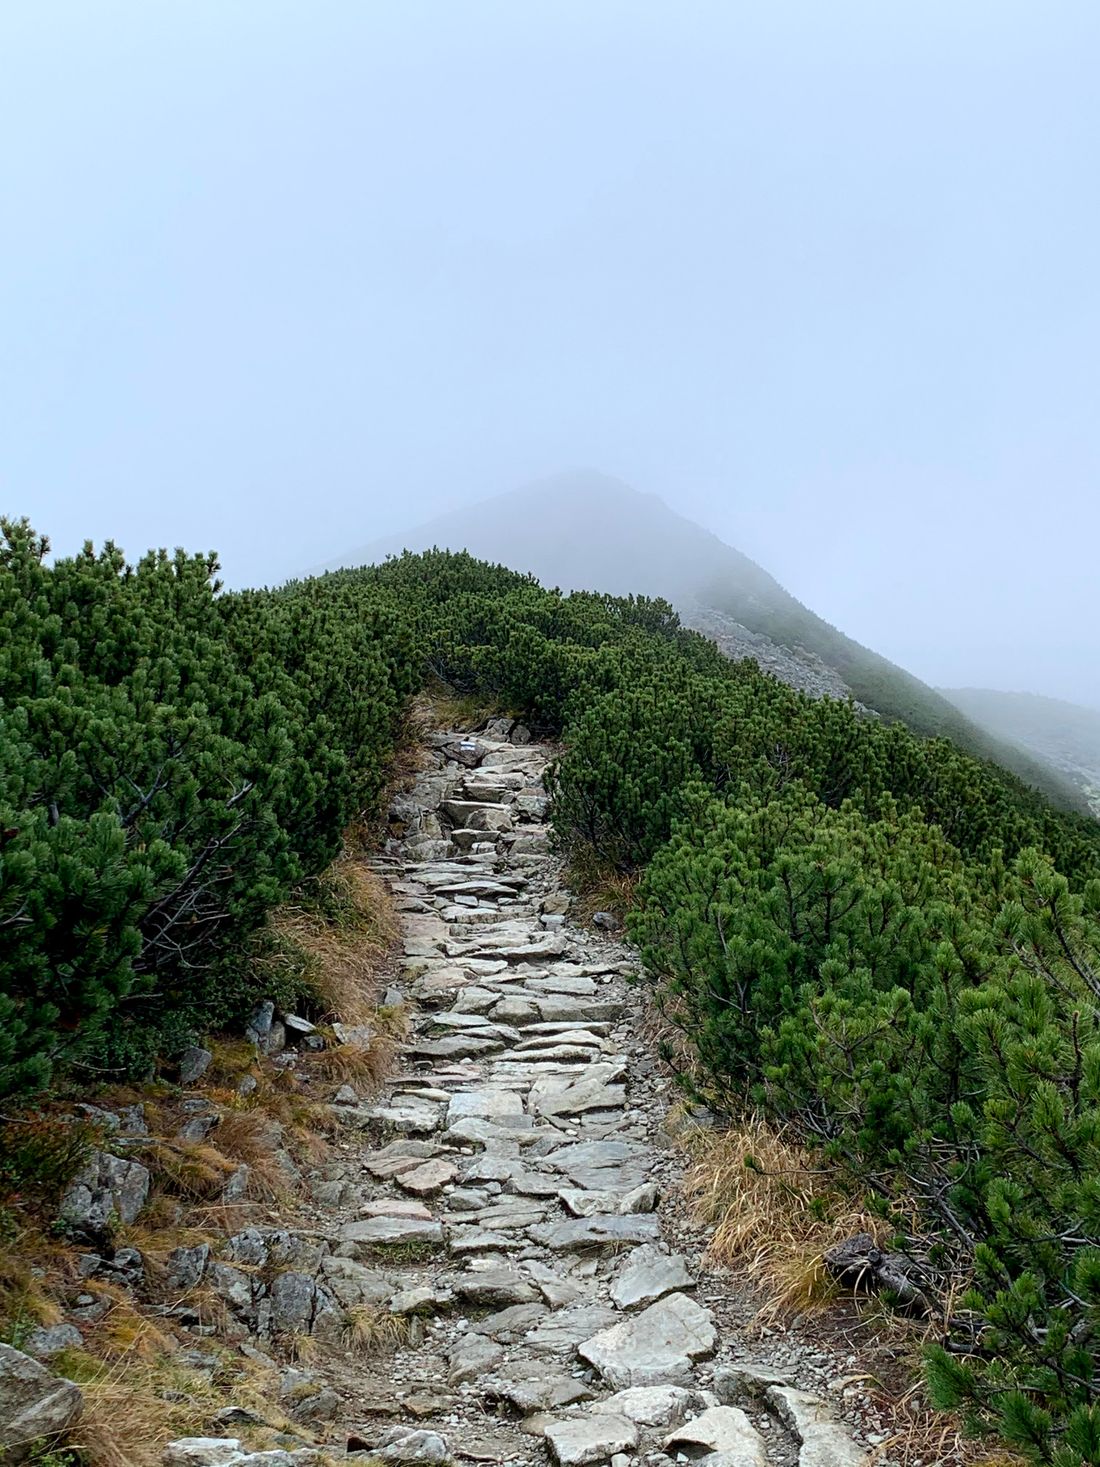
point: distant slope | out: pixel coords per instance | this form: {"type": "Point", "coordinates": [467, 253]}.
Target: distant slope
{"type": "Point", "coordinates": [584, 531]}
{"type": "Point", "coordinates": [1064, 735]}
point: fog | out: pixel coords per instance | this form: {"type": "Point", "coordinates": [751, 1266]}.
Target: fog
{"type": "Point", "coordinates": [282, 278]}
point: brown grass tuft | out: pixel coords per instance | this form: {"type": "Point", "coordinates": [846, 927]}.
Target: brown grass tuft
{"type": "Point", "coordinates": [340, 938]}
{"type": "Point", "coordinates": [370, 1330]}
{"type": "Point", "coordinates": [775, 1210]}
{"type": "Point", "coordinates": [135, 1404]}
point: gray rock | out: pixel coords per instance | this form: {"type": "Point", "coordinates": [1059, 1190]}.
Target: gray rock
{"type": "Point", "coordinates": [648, 1275]}
{"type": "Point", "coordinates": [428, 1177]}
{"type": "Point", "coordinates": [489, 1104]}
{"type": "Point", "coordinates": [650, 1405]}
{"type": "Point", "coordinates": [825, 1441]}
{"type": "Point", "coordinates": [232, 1285]}
{"type": "Point", "coordinates": [655, 1347]}
{"type": "Point", "coordinates": [42, 1343]}
{"type": "Point", "coordinates": [353, 1284]}
{"type": "Point", "coordinates": [398, 1157]}
{"type": "Point", "coordinates": [427, 1299]}
{"type": "Point", "coordinates": [529, 1386]}
{"type": "Point", "coordinates": [578, 1440]}
{"type": "Point", "coordinates": [202, 1451]}
{"type": "Point", "coordinates": [408, 1114]}
{"type": "Point", "coordinates": [33, 1403]}
{"type": "Point", "coordinates": [259, 1026]}
{"type": "Point", "coordinates": [472, 1357]}
{"type": "Point", "coordinates": [493, 1288]}
{"type": "Point", "coordinates": [745, 1382]}
{"type": "Point", "coordinates": [588, 1204]}
{"type": "Point", "coordinates": [601, 1231]}
{"type": "Point", "coordinates": [194, 1063]}
{"type": "Point", "coordinates": [724, 1429]}
{"type": "Point", "coordinates": [403, 1444]}
{"type": "Point", "coordinates": [108, 1190]}
{"type": "Point", "coordinates": [185, 1266]}
{"type": "Point", "coordinates": [236, 1187]}
{"type": "Point", "coordinates": [293, 1298]}
{"type": "Point", "coordinates": [388, 1232]}
{"type": "Point", "coordinates": [511, 1324]}
{"type": "Point", "coordinates": [564, 1329]}
{"type": "Point", "coordinates": [606, 1166]}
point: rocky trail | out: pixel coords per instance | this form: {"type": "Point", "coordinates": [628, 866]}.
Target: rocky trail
{"type": "Point", "coordinates": [511, 1210]}
{"type": "Point", "coordinates": [494, 1264]}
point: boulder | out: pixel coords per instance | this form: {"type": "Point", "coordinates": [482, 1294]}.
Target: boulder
{"type": "Point", "coordinates": [34, 1404]}
{"type": "Point", "coordinates": [194, 1063]}
{"type": "Point", "coordinates": [108, 1190]}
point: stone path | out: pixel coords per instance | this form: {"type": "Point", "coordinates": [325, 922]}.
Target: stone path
{"type": "Point", "coordinates": [506, 1213]}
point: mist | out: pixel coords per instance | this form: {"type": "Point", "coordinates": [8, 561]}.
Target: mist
{"type": "Point", "coordinates": [282, 280]}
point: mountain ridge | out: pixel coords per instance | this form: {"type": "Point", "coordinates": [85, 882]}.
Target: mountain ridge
{"type": "Point", "coordinates": [583, 530]}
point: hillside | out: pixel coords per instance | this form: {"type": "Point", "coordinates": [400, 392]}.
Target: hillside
{"type": "Point", "coordinates": [1064, 735]}
{"type": "Point", "coordinates": [586, 531]}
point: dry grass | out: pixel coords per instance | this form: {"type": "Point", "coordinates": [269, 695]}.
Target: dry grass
{"type": "Point", "coordinates": [193, 1170]}
{"type": "Point", "coordinates": [775, 1211]}
{"type": "Point", "coordinates": [597, 887]}
{"type": "Point", "coordinates": [34, 1270]}
{"type": "Point", "coordinates": [441, 707]}
{"type": "Point", "coordinates": [373, 1331]}
{"type": "Point", "coordinates": [341, 940]}
{"type": "Point", "coordinates": [135, 1403]}
{"type": "Point", "coordinates": [245, 1137]}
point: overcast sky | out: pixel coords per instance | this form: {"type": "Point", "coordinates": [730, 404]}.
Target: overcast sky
{"type": "Point", "coordinates": [278, 278]}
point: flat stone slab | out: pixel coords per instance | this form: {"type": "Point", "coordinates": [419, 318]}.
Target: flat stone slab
{"type": "Point", "coordinates": [651, 1405]}
{"type": "Point", "coordinates": [529, 1386]}
{"type": "Point", "coordinates": [389, 1232]}
{"type": "Point", "coordinates": [471, 1357]}
{"type": "Point", "coordinates": [395, 1207]}
{"type": "Point", "coordinates": [647, 1275]}
{"type": "Point", "coordinates": [407, 1114]}
{"type": "Point", "coordinates": [571, 1100]}
{"type": "Point", "coordinates": [602, 1165]}
{"type": "Point", "coordinates": [656, 1347]}
{"type": "Point", "coordinates": [724, 1429]}
{"type": "Point", "coordinates": [566, 1328]}
{"type": "Point", "coordinates": [601, 1231]}
{"type": "Point", "coordinates": [493, 1288]}
{"type": "Point", "coordinates": [588, 1204]}
{"type": "Point", "coordinates": [428, 1177]}
{"type": "Point", "coordinates": [456, 1046]}
{"type": "Point", "coordinates": [488, 1104]}
{"type": "Point", "coordinates": [582, 1439]}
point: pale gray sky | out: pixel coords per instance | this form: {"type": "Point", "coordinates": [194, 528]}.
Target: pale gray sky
{"type": "Point", "coordinates": [280, 277]}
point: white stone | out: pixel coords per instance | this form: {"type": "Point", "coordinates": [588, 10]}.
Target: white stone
{"type": "Point", "coordinates": [655, 1347]}
{"type": "Point", "coordinates": [650, 1405]}
{"type": "Point", "coordinates": [648, 1275]}
{"type": "Point", "coordinates": [724, 1429]}
{"type": "Point", "coordinates": [825, 1441]}
{"type": "Point", "coordinates": [583, 1439]}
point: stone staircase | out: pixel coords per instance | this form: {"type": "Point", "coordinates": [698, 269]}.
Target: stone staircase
{"type": "Point", "coordinates": [509, 1205]}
